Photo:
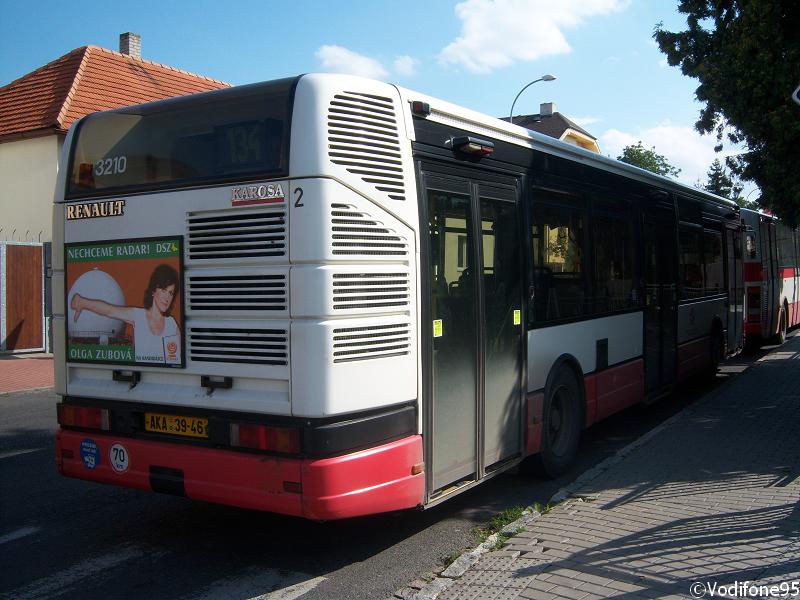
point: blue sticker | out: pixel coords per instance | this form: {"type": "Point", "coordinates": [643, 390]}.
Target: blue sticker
{"type": "Point", "coordinates": [90, 454]}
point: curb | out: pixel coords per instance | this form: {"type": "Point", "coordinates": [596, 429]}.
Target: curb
{"type": "Point", "coordinates": [33, 389]}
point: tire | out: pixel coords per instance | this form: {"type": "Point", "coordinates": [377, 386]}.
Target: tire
{"type": "Point", "coordinates": [780, 337]}
{"type": "Point", "coordinates": [561, 424]}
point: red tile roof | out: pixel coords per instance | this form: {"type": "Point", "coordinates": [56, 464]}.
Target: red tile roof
{"type": "Point", "coordinates": [553, 125]}
{"type": "Point", "coordinates": [86, 80]}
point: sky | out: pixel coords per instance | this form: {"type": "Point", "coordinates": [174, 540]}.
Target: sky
{"type": "Point", "coordinates": [610, 76]}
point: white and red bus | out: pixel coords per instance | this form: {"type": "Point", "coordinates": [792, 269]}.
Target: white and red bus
{"type": "Point", "coordinates": [772, 277]}
{"type": "Point", "coordinates": [328, 296]}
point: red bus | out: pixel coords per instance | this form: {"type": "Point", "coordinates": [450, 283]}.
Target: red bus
{"type": "Point", "coordinates": [772, 277]}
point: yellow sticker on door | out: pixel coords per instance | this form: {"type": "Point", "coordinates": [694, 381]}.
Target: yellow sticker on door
{"type": "Point", "coordinates": [437, 328]}
{"type": "Point", "coordinates": [517, 317]}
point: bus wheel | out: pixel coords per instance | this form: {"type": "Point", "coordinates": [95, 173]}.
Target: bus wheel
{"type": "Point", "coordinates": [561, 429]}
{"type": "Point", "coordinates": [780, 337]}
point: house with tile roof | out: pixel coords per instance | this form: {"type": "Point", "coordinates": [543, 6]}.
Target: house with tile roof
{"type": "Point", "coordinates": [551, 122]}
{"type": "Point", "coordinates": [37, 109]}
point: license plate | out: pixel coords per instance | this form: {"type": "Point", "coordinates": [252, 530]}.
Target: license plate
{"type": "Point", "coordinates": [176, 425]}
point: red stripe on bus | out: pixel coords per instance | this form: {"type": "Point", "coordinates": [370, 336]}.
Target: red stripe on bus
{"type": "Point", "coordinates": [533, 421]}
{"type": "Point", "coordinates": [257, 201]}
{"type": "Point", "coordinates": [693, 357]}
{"type": "Point", "coordinates": [753, 328]}
{"type": "Point", "coordinates": [370, 481]}
{"type": "Point", "coordinates": [619, 388]}
{"type": "Point", "coordinates": [753, 271]}
{"type": "Point", "coordinates": [788, 272]}
{"type": "Point", "coordinates": [590, 392]}
{"type": "Point", "coordinates": [794, 314]}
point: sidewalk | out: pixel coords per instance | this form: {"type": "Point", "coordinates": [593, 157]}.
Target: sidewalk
{"type": "Point", "coordinates": [20, 372]}
{"type": "Point", "coordinates": [712, 497]}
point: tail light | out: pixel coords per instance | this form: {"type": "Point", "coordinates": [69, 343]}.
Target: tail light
{"type": "Point", "coordinates": [86, 417]}
{"type": "Point", "coordinates": [263, 437]}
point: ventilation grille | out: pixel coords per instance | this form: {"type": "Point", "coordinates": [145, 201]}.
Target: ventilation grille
{"type": "Point", "coordinates": [238, 292]}
{"type": "Point", "coordinates": [251, 346]}
{"type": "Point", "coordinates": [370, 290]}
{"type": "Point", "coordinates": [356, 232]}
{"type": "Point", "coordinates": [363, 138]}
{"type": "Point", "coordinates": [238, 235]}
{"type": "Point", "coordinates": [366, 343]}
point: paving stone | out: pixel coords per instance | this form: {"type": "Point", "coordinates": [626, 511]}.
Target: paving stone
{"type": "Point", "coordinates": [19, 372]}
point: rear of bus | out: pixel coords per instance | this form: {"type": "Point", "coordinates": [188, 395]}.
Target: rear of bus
{"type": "Point", "coordinates": [235, 299]}
{"type": "Point", "coordinates": [754, 278]}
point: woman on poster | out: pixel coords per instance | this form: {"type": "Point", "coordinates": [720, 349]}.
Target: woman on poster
{"type": "Point", "coordinates": [156, 336]}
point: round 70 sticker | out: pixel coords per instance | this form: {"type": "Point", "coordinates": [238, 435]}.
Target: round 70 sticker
{"type": "Point", "coordinates": [118, 457]}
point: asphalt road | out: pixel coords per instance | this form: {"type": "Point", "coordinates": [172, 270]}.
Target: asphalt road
{"type": "Point", "coordinates": [64, 538]}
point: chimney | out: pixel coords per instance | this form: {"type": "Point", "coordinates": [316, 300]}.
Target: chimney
{"type": "Point", "coordinates": [547, 109]}
{"type": "Point", "coordinates": [130, 44]}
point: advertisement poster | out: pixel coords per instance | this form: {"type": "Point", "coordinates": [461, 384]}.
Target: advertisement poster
{"type": "Point", "coordinates": [124, 302]}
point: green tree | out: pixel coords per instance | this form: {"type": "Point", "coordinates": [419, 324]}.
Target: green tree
{"type": "Point", "coordinates": [720, 183]}
{"type": "Point", "coordinates": [639, 156]}
{"type": "Point", "coordinates": [745, 54]}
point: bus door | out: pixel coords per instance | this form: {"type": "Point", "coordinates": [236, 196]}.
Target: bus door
{"type": "Point", "coordinates": [661, 299]}
{"type": "Point", "coordinates": [769, 260]}
{"type": "Point", "coordinates": [733, 252]}
{"type": "Point", "coordinates": [474, 338]}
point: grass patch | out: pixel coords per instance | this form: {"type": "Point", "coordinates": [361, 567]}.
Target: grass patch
{"type": "Point", "coordinates": [502, 538]}
{"type": "Point", "coordinates": [543, 509]}
{"type": "Point", "coordinates": [449, 558]}
{"type": "Point", "coordinates": [497, 522]}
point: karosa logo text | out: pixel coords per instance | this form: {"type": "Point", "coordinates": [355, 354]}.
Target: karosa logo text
{"type": "Point", "coordinates": [257, 194]}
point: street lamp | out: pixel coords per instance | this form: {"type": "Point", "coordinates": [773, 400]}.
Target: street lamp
{"type": "Point", "coordinates": [542, 78]}
{"type": "Point", "coordinates": [750, 193]}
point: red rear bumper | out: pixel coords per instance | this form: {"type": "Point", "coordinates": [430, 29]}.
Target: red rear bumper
{"type": "Point", "coordinates": [366, 482]}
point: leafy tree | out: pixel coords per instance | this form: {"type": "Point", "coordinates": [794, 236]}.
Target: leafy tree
{"type": "Point", "coordinates": [639, 156]}
{"type": "Point", "coordinates": [745, 55]}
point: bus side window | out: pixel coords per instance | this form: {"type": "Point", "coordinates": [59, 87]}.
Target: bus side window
{"type": "Point", "coordinates": [559, 282]}
{"type": "Point", "coordinates": [785, 245]}
{"type": "Point", "coordinates": [690, 266]}
{"type": "Point", "coordinates": [713, 263]}
{"type": "Point", "coordinates": [613, 264]}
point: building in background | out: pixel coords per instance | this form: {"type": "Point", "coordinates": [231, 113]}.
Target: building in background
{"type": "Point", "coordinates": [36, 111]}
{"type": "Point", "coordinates": [551, 122]}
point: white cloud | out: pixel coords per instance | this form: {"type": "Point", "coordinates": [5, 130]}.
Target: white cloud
{"type": "Point", "coordinates": [663, 63]}
{"type": "Point", "coordinates": [496, 33]}
{"type": "Point", "coordinates": [342, 60]}
{"type": "Point", "coordinates": [405, 65]}
{"type": "Point", "coordinates": [682, 146]}
{"type": "Point", "coordinates": [584, 121]}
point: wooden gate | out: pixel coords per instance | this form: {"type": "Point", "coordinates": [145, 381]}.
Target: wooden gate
{"type": "Point", "coordinates": [21, 297]}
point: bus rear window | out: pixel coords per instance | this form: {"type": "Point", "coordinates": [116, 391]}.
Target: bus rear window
{"type": "Point", "coordinates": [234, 134]}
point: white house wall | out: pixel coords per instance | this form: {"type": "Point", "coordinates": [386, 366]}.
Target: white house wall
{"type": "Point", "coordinates": [28, 170]}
